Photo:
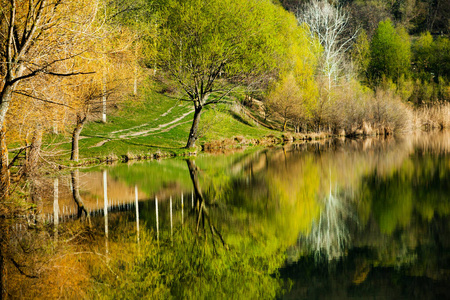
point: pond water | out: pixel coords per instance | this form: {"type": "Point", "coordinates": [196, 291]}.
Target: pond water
{"type": "Point", "coordinates": [329, 220]}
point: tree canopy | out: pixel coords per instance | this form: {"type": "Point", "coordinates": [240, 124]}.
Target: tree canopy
{"type": "Point", "coordinates": [390, 52]}
{"type": "Point", "coordinates": [206, 45]}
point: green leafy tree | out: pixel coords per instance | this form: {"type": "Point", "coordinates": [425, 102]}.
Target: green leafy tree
{"type": "Point", "coordinates": [206, 45]}
{"type": "Point", "coordinates": [422, 51]}
{"type": "Point", "coordinates": [440, 58]}
{"type": "Point", "coordinates": [361, 53]}
{"type": "Point", "coordinates": [390, 53]}
{"type": "Point", "coordinates": [295, 93]}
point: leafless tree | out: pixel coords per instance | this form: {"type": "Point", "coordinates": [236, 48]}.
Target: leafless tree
{"type": "Point", "coordinates": [330, 25]}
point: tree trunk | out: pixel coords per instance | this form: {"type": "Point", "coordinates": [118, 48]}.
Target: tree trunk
{"type": "Point", "coordinates": [193, 134]}
{"type": "Point", "coordinates": [33, 153]}
{"type": "Point", "coordinates": [5, 100]}
{"type": "Point", "coordinates": [104, 101]}
{"type": "Point", "coordinates": [8, 89]}
{"type": "Point", "coordinates": [135, 71]}
{"type": "Point", "coordinates": [75, 138]}
{"type": "Point", "coordinates": [76, 194]}
{"type": "Point", "coordinates": [193, 172]}
{"type": "Point", "coordinates": [4, 171]}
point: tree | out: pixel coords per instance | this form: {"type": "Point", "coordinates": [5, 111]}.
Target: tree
{"type": "Point", "coordinates": [101, 50]}
{"type": "Point", "coordinates": [390, 53]}
{"type": "Point", "coordinates": [37, 36]}
{"type": "Point", "coordinates": [294, 94]}
{"type": "Point", "coordinates": [330, 25]}
{"type": "Point", "coordinates": [422, 55]}
{"type": "Point", "coordinates": [209, 47]}
{"type": "Point", "coordinates": [440, 59]}
{"type": "Point", "coordinates": [90, 101]}
{"type": "Point", "coordinates": [361, 53]}
{"type": "Point", "coordinates": [286, 99]}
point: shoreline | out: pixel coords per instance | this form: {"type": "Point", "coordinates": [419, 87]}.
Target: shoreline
{"type": "Point", "coordinates": [226, 145]}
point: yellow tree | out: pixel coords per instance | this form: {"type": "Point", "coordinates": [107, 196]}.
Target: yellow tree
{"type": "Point", "coordinates": [286, 98]}
{"type": "Point", "coordinates": [36, 37]}
{"type": "Point", "coordinates": [112, 64]}
{"type": "Point", "coordinates": [295, 94]}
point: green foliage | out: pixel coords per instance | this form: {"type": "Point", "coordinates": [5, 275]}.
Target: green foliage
{"type": "Point", "coordinates": [432, 68]}
{"type": "Point", "coordinates": [390, 53]}
{"type": "Point", "coordinates": [200, 39]}
{"type": "Point", "coordinates": [440, 58]}
{"type": "Point", "coordinates": [422, 55]}
{"type": "Point", "coordinates": [361, 54]}
{"type": "Point", "coordinates": [417, 186]}
{"type": "Point", "coordinates": [294, 95]}
{"type": "Point", "coordinates": [206, 45]}
{"type": "Point", "coordinates": [432, 57]}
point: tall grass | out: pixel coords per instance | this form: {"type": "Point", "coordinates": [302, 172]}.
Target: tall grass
{"type": "Point", "coordinates": [436, 116]}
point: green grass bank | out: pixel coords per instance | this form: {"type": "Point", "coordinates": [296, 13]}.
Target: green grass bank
{"type": "Point", "coordinates": [156, 125]}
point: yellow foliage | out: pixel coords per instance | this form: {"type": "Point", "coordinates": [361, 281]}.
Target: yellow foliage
{"type": "Point", "coordinates": [294, 190]}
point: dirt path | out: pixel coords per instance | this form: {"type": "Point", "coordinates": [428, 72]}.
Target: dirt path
{"type": "Point", "coordinates": [101, 143]}
{"type": "Point", "coordinates": [160, 127]}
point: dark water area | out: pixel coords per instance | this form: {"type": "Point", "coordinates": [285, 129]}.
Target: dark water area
{"type": "Point", "coordinates": [341, 219]}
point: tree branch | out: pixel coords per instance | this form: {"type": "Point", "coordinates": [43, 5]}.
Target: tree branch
{"type": "Point", "coordinates": [42, 70]}
{"type": "Point", "coordinates": [20, 270]}
{"type": "Point", "coordinates": [43, 100]}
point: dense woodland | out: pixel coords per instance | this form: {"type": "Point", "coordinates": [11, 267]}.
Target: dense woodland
{"type": "Point", "coordinates": [304, 64]}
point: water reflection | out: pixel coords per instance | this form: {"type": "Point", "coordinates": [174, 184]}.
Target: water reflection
{"type": "Point", "coordinates": [105, 209]}
{"type": "Point", "coordinates": [329, 235]}
{"type": "Point", "coordinates": [342, 218]}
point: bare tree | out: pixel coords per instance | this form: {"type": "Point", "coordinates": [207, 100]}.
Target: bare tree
{"type": "Point", "coordinates": [330, 25]}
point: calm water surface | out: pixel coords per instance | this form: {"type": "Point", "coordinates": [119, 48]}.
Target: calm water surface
{"type": "Point", "coordinates": [359, 219]}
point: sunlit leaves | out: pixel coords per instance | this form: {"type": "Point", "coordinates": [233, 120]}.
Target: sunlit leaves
{"type": "Point", "coordinates": [390, 52]}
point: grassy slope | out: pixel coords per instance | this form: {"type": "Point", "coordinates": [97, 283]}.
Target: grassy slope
{"type": "Point", "coordinates": [148, 112]}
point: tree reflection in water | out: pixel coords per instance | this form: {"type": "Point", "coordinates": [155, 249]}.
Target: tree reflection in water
{"type": "Point", "coordinates": [202, 207]}
{"type": "Point", "coordinates": [329, 234]}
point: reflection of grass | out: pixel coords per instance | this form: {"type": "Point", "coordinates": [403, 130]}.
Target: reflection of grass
{"type": "Point", "coordinates": [151, 176]}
